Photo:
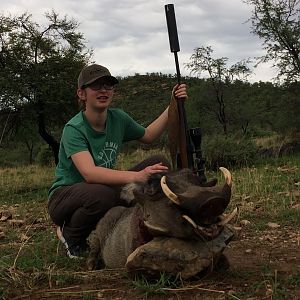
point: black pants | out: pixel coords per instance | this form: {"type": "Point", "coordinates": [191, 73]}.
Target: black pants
{"type": "Point", "coordinates": [79, 207]}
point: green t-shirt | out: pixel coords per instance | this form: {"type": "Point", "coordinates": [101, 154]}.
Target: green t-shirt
{"type": "Point", "coordinates": [104, 146]}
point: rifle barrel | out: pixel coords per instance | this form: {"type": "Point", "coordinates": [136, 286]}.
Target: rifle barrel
{"type": "Point", "coordinates": [172, 28]}
{"type": "Point", "coordinates": [185, 145]}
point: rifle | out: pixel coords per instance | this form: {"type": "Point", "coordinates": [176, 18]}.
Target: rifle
{"type": "Point", "coordinates": [190, 153]}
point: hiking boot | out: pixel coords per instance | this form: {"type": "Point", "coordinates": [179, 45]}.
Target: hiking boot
{"type": "Point", "coordinates": [75, 249]}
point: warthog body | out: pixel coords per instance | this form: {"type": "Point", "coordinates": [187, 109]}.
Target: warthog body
{"type": "Point", "coordinates": [117, 235]}
{"type": "Point", "coordinates": [127, 235]}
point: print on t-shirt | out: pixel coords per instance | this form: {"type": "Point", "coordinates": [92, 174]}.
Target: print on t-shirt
{"type": "Point", "coordinates": [107, 156]}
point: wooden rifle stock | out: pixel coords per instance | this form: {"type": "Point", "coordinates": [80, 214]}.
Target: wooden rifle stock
{"type": "Point", "coordinates": [185, 146]}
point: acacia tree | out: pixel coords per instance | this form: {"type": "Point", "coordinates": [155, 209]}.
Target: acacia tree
{"type": "Point", "coordinates": [38, 69]}
{"type": "Point", "coordinates": [219, 75]}
{"type": "Point", "coordinates": [277, 23]}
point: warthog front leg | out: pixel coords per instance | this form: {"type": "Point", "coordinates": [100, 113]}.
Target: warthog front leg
{"type": "Point", "coordinates": [93, 258]}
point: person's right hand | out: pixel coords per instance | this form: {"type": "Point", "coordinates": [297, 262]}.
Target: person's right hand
{"type": "Point", "coordinates": [143, 175]}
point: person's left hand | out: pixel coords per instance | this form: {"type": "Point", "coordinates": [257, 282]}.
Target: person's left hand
{"type": "Point", "coordinates": [180, 91]}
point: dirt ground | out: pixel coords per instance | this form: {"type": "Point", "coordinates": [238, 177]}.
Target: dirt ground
{"type": "Point", "coordinates": [263, 265]}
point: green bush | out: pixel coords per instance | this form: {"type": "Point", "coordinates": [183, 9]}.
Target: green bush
{"type": "Point", "coordinates": [14, 154]}
{"type": "Point", "coordinates": [228, 151]}
{"type": "Point", "coordinates": [45, 156]}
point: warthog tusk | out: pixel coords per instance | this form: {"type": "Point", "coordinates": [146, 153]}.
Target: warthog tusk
{"type": "Point", "coordinates": [156, 228]}
{"type": "Point", "coordinates": [167, 191]}
{"type": "Point", "coordinates": [206, 232]}
{"type": "Point", "coordinates": [228, 218]}
{"type": "Point", "coordinates": [227, 175]}
{"type": "Point", "coordinates": [189, 220]}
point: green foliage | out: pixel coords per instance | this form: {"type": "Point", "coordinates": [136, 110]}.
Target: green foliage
{"type": "Point", "coordinates": [295, 279]}
{"type": "Point", "coordinates": [19, 151]}
{"type": "Point", "coordinates": [228, 151]}
{"type": "Point", "coordinates": [201, 61]}
{"type": "Point", "coordinates": [220, 76]}
{"type": "Point", "coordinates": [144, 96]}
{"type": "Point", "coordinates": [45, 156]}
{"type": "Point", "coordinates": [11, 157]}
{"type": "Point", "coordinates": [39, 70]}
{"type": "Point", "coordinates": [252, 110]}
{"type": "Point", "coordinates": [277, 23]}
{"type": "Point", "coordinates": [156, 286]}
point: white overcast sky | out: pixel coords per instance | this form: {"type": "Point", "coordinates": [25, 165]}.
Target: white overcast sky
{"type": "Point", "coordinates": [130, 36]}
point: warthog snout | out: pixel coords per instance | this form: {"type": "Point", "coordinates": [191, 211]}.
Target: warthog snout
{"type": "Point", "coordinates": [202, 204]}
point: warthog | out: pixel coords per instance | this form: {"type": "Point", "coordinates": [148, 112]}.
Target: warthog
{"type": "Point", "coordinates": [175, 225]}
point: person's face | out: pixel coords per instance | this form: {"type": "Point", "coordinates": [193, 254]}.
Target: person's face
{"type": "Point", "coordinates": [98, 94]}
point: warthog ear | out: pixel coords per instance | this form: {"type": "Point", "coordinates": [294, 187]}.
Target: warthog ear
{"type": "Point", "coordinates": [127, 192]}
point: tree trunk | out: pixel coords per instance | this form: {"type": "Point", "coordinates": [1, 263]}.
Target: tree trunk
{"type": "Point", "coordinates": [30, 146]}
{"type": "Point", "coordinates": [49, 139]}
